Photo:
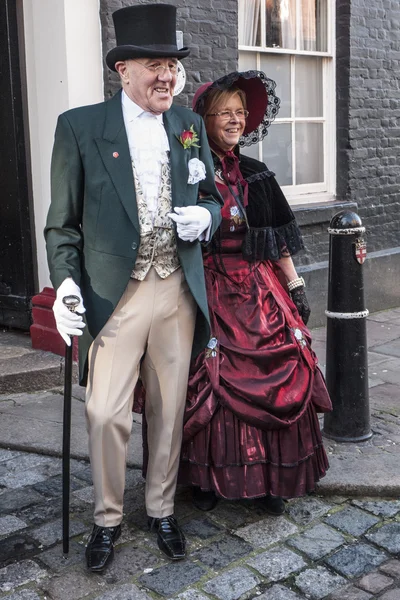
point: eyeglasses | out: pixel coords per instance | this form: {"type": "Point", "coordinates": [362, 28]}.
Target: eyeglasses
{"type": "Point", "coordinates": [226, 115]}
{"type": "Point", "coordinates": [160, 69]}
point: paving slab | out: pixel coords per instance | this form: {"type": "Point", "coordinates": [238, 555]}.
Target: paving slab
{"type": "Point", "coordinates": [220, 553]}
{"type": "Point", "coordinates": [385, 397]}
{"type": "Point", "coordinates": [392, 568]}
{"type": "Point", "coordinates": [356, 559]}
{"type": "Point", "coordinates": [172, 578]}
{"type": "Point", "coordinates": [52, 486]}
{"type": "Point", "coordinates": [10, 524]}
{"type": "Point", "coordinates": [124, 592]}
{"type": "Point", "coordinates": [17, 499]}
{"type": "Point", "coordinates": [23, 369]}
{"type": "Point", "coordinates": [231, 514]}
{"type": "Point", "coordinates": [55, 560]}
{"type": "Point", "coordinates": [389, 348]}
{"type": "Point", "coordinates": [192, 595]}
{"type": "Point", "coordinates": [357, 475]}
{"type": "Point", "coordinates": [391, 594]}
{"type": "Point", "coordinates": [387, 537]}
{"type": "Point", "coordinates": [51, 533]}
{"type": "Point", "coordinates": [131, 560]}
{"type": "Point", "coordinates": [24, 595]}
{"type": "Point", "coordinates": [20, 573]}
{"type": "Point", "coordinates": [278, 563]}
{"type": "Point", "coordinates": [350, 592]}
{"type": "Point", "coordinates": [279, 592]}
{"type": "Point", "coordinates": [72, 585]}
{"type": "Point", "coordinates": [318, 583]}
{"type": "Point", "coordinates": [383, 508]}
{"type": "Point", "coordinates": [305, 510]}
{"type": "Point", "coordinates": [17, 547]}
{"type": "Point", "coordinates": [268, 532]}
{"type": "Point", "coordinates": [352, 520]}
{"type": "Point", "coordinates": [201, 528]}
{"type": "Point", "coordinates": [386, 371]}
{"type": "Point", "coordinates": [317, 541]}
{"type": "Point", "coordinates": [375, 582]}
{"type": "Point", "coordinates": [33, 423]}
{"type": "Point", "coordinates": [381, 332]}
{"type": "Point", "coordinates": [232, 584]}
{"type": "Point", "coordinates": [41, 512]}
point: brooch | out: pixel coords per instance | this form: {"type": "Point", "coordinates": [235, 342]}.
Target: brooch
{"type": "Point", "coordinates": [211, 350]}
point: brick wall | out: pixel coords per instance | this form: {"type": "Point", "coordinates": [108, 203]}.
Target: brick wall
{"type": "Point", "coordinates": [368, 96]}
{"type": "Point", "coordinates": [209, 29]}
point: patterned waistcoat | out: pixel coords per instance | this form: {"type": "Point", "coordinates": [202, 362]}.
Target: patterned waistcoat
{"type": "Point", "coordinates": [157, 240]}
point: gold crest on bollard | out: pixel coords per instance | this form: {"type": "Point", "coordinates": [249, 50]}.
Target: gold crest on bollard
{"type": "Point", "coordinates": [360, 250]}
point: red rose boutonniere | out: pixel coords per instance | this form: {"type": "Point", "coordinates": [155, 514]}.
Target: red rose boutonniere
{"type": "Point", "coordinates": [189, 138]}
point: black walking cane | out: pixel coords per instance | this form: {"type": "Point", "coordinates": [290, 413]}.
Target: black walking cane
{"type": "Point", "coordinates": [71, 302]}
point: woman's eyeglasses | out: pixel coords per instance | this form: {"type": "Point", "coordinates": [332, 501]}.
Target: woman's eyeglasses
{"type": "Point", "coordinates": [226, 115]}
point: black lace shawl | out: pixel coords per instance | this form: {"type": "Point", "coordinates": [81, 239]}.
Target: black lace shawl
{"type": "Point", "coordinates": [269, 208]}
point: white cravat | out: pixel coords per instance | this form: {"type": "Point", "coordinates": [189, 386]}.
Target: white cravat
{"type": "Point", "coordinates": [148, 147]}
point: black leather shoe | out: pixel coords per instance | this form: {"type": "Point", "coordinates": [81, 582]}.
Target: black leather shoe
{"type": "Point", "coordinates": [204, 500]}
{"type": "Point", "coordinates": [274, 505]}
{"type": "Point", "coordinates": [100, 548]}
{"type": "Point", "coordinates": [170, 538]}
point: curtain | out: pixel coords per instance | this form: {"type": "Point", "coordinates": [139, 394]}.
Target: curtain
{"type": "Point", "coordinates": [314, 25]}
{"type": "Point", "coordinates": [288, 22]}
{"type": "Point", "coordinates": [249, 19]}
{"type": "Point", "coordinates": [307, 39]}
{"type": "Point", "coordinates": [322, 25]}
{"type": "Point", "coordinates": [281, 24]}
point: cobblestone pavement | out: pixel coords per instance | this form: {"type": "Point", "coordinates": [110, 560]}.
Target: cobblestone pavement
{"type": "Point", "coordinates": [329, 547]}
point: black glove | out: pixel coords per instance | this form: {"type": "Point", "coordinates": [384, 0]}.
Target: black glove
{"type": "Point", "coordinates": [299, 298]}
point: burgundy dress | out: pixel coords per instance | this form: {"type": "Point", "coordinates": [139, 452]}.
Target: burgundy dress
{"type": "Point", "coordinates": [251, 425]}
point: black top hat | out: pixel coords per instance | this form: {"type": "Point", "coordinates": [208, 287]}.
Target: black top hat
{"type": "Point", "coordinates": [145, 31]}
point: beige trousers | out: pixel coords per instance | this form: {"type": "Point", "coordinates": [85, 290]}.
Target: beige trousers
{"type": "Point", "coordinates": [151, 332]}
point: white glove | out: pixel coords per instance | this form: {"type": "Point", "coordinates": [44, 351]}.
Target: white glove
{"type": "Point", "coordinates": [190, 221]}
{"type": "Point", "coordinates": [68, 323]}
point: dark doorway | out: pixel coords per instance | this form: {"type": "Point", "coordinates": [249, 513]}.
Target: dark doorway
{"type": "Point", "coordinates": [17, 276]}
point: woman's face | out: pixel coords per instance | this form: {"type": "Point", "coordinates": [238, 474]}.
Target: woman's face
{"type": "Point", "coordinates": [225, 132]}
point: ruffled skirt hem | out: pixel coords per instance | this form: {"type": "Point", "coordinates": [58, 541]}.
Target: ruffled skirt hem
{"type": "Point", "coordinates": [251, 463]}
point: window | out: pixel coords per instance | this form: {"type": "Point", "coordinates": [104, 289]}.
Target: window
{"type": "Point", "coordinates": [292, 42]}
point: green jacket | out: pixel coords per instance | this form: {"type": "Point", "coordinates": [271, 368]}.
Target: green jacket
{"type": "Point", "coordinates": [92, 231]}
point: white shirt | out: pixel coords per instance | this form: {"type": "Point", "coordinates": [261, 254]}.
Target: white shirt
{"type": "Point", "coordinates": [148, 147]}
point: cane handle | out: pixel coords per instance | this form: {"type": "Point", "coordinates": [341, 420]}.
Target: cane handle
{"type": "Point", "coordinates": [71, 302]}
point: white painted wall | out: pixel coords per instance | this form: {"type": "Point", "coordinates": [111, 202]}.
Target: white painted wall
{"type": "Point", "coordinates": [64, 70]}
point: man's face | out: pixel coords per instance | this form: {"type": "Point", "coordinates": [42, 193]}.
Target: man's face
{"type": "Point", "coordinates": [148, 83]}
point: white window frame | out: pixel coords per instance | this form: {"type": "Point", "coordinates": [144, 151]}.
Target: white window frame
{"type": "Point", "coordinates": [314, 192]}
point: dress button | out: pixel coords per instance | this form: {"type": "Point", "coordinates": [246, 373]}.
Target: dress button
{"type": "Point", "coordinates": [134, 246]}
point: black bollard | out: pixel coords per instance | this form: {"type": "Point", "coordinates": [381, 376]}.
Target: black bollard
{"type": "Point", "coordinates": [346, 343]}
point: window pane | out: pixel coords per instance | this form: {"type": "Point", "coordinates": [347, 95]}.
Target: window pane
{"type": "Point", "coordinates": [309, 153]}
{"type": "Point", "coordinates": [247, 61]}
{"type": "Point", "coordinates": [251, 151]}
{"type": "Point", "coordinates": [277, 67]}
{"type": "Point", "coordinates": [277, 152]}
{"type": "Point", "coordinates": [280, 23]}
{"type": "Point", "coordinates": [313, 26]}
{"type": "Point", "coordinates": [308, 78]}
{"type": "Point", "coordinates": [249, 23]}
